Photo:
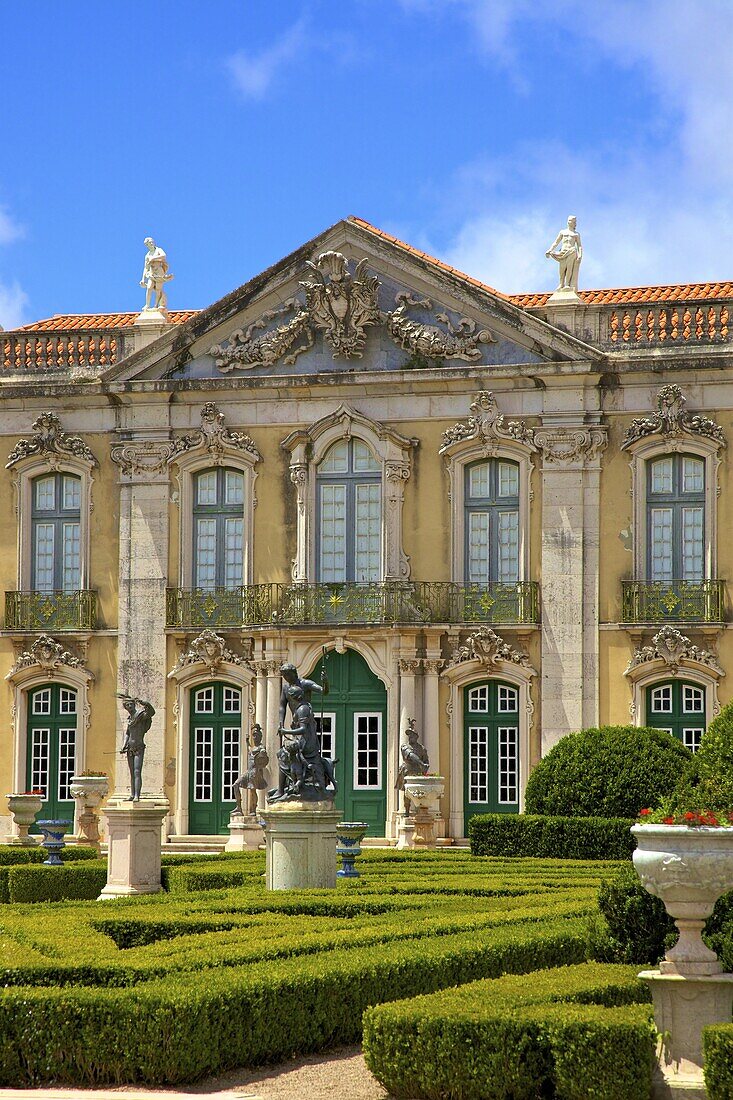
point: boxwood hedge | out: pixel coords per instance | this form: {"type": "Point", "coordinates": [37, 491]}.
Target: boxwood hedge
{"type": "Point", "coordinates": [541, 835]}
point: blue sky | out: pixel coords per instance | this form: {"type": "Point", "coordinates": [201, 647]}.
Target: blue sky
{"type": "Point", "coordinates": [234, 131]}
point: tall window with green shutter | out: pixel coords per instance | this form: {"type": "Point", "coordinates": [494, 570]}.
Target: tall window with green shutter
{"type": "Point", "coordinates": [218, 529]}
{"type": "Point", "coordinates": [492, 522]}
{"type": "Point", "coordinates": [676, 518]}
{"type": "Point", "coordinates": [56, 533]}
{"type": "Point", "coordinates": [349, 510]}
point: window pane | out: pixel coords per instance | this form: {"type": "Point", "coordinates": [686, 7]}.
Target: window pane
{"type": "Point", "coordinates": [204, 701]}
{"type": "Point", "coordinates": [367, 534]}
{"type": "Point", "coordinates": [661, 544]}
{"type": "Point", "coordinates": [234, 487]}
{"type": "Point", "coordinates": [662, 699]}
{"type": "Point", "coordinates": [367, 754]}
{"type": "Point", "coordinates": [662, 476]}
{"type": "Point", "coordinates": [336, 460]}
{"type": "Point", "coordinates": [72, 494]}
{"type": "Point", "coordinates": [333, 533]}
{"type": "Point", "coordinates": [508, 699]}
{"type": "Point", "coordinates": [205, 562]}
{"type": "Point", "coordinates": [46, 494]}
{"type": "Point", "coordinates": [479, 480]}
{"type": "Point", "coordinates": [233, 552]}
{"type": "Point", "coordinates": [229, 761]}
{"type": "Point", "coordinates": [326, 730]}
{"type": "Point", "coordinates": [43, 557]}
{"type": "Point", "coordinates": [691, 738]}
{"type": "Point", "coordinates": [478, 547]}
{"type": "Point", "coordinates": [67, 761]}
{"type": "Point", "coordinates": [232, 700]}
{"type": "Point", "coordinates": [364, 460]}
{"type": "Point", "coordinates": [508, 538]}
{"type": "Point", "coordinates": [478, 699]}
{"type": "Point", "coordinates": [692, 544]}
{"type": "Point", "coordinates": [693, 475]}
{"type": "Point", "coordinates": [206, 488]}
{"type": "Point", "coordinates": [478, 764]}
{"type": "Point", "coordinates": [67, 701]}
{"type": "Point", "coordinates": [508, 479]}
{"type": "Point", "coordinates": [508, 763]}
{"type": "Point", "coordinates": [72, 558]}
{"type": "Point", "coordinates": [42, 701]}
{"type": "Point", "coordinates": [40, 742]}
{"type": "Point", "coordinates": [203, 764]}
{"type": "Point", "coordinates": [693, 699]}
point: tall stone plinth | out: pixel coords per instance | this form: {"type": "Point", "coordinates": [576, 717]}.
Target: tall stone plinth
{"type": "Point", "coordinates": [683, 1006]}
{"type": "Point", "coordinates": [300, 839]}
{"type": "Point", "coordinates": [133, 860]}
{"type": "Point", "coordinates": [245, 834]}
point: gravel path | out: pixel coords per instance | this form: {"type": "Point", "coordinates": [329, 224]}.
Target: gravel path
{"type": "Point", "coordinates": [338, 1075]}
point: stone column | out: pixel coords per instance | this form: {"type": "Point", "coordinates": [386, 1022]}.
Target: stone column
{"type": "Point", "coordinates": [261, 695]}
{"type": "Point", "coordinates": [407, 667]}
{"type": "Point", "coordinates": [431, 726]}
{"type": "Point", "coordinates": [569, 576]}
{"type": "Point", "coordinates": [271, 739]}
{"type": "Point", "coordinates": [143, 577]}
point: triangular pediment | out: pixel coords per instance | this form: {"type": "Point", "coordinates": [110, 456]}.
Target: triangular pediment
{"type": "Point", "coordinates": [353, 300]}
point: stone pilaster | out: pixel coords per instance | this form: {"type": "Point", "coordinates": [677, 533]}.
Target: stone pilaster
{"type": "Point", "coordinates": [570, 544]}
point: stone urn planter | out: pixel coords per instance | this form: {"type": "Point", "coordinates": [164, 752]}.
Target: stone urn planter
{"type": "Point", "coordinates": [54, 832]}
{"type": "Point", "coordinates": [424, 793]}
{"type": "Point", "coordinates": [88, 791]}
{"type": "Point", "coordinates": [23, 809]}
{"type": "Point", "coordinates": [688, 867]}
{"type": "Point", "coordinates": [349, 835]}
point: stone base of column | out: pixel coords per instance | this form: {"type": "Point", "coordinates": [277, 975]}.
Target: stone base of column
{"type": "Point", "coordinates": [405, 834]}
{"type": "Point", "coordinates": [682, 1008]}
{"type": "Point", "coordinates": [133, 858]}
{"type": "Point", "coordinates": [300, 840]}
{"type": "Point", "coordinates": [245, 834]}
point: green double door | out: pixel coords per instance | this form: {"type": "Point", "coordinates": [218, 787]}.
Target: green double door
{"type": "Point", "coordinates": [490, 749]}
{"type": "Point", "coordinates": [215, 743]}
{"type": "Point", "coordinates": [678, 708]}
{"type": "Point", "coordinates": [353, 731]}
{"type": "Point", "coordinates": [51, 748]}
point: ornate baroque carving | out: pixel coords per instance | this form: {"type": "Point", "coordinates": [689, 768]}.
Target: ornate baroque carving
{"type": "Point", "coordinates": [340, 305]}
{"type": "Point", "coordinates": [459, 342]}
{"type": "Point", "coordinates": [211, 650]}
{"type": "Point", "coordinates": [672, 419]}
{"type": "Point", "coordinates": [670, 646]}
{"type": "Point", "coordinates": [566, 445]}
{"type": "Point", "coordinates": [154, 456]}
{"type": "Point", "coordinates": [141, 458]}
{"type": "Point", "coordinates": [487, 646]}
{"type": "Point", "coordinates": [489, 426]}
{"type": "Point", "coordinates": [51, 441]}
{"type": "Point", "coordinates": [48, 654]}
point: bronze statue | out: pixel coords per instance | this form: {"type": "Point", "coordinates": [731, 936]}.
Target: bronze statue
{"type": "Point", "coordinates": [304, 773]}
{"type": "Point", "coordinates": [254, 777]}
{"type": "Point", "coordinates": [289, 702]}
{"type": "Point", "coordinates": [138, 724]}
{"type": "Point", "coordinates": [415, 760]}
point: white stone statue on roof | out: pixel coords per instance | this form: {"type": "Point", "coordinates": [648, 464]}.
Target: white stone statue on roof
{"type": "Point", "coordinates": [155, 276]}
{"type": "Point", "coordinates": [568, 251]}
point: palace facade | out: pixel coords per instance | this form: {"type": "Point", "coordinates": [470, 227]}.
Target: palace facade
{"type": "Point", "coordinates": [504, 517]}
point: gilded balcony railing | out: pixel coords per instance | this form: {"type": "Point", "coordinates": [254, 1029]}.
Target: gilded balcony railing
{"type": "Point", "coordinates": [673, 601]}
{"type": "Point", "coordinates": [390, 602]}
{"type": "Point", "coordinates": [50, 610]}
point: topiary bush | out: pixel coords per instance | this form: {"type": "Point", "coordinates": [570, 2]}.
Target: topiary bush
{"type": "Point", "coordinates": [707, 782]}
{"type": "Point", "coordinates": [613, 771]}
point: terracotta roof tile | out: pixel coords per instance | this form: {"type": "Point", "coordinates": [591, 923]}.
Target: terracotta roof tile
{"type": "Point", "coordinates": [65, 322]}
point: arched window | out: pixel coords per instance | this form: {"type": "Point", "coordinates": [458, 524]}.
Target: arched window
{"type": "Point", "coordinates": [349, 511]}
{"type": "Point", "coordinates": [218, 528]}
{"type": "Point", "coordinates": [491, 748]}
{"type": "Point", "coordinates": [56, 533]}
{"type": "Point", "coordinates": [51, 747]}
{"type": "Point", "coordinates": [679, 708]}
{"type": "Point", "coordinates": [215, 761]}
{"type": "Point", "coordinates": [676, 518]}
{"type": "Point", "coordinates": [491, 503]}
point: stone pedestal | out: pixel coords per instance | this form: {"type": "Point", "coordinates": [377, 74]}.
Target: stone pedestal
{"type": "Point", "coordinates": [245, 834]}
{"type": "Point", "coordinates": [683, 1006]}
{"type": "Point", "coordinates": [300, 842]}
{"type": "Point", "coordinates": [133, 859]}
{"type": "Point", "coordinates": [149, 325]}
{"type": "Point", "coordinates": [405, 833]}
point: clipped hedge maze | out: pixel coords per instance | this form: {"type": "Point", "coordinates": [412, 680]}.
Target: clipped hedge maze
{"type": "Point", "coordinates": [218, 973]}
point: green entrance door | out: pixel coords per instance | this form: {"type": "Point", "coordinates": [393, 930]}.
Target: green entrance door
{"type": "Point", "coordinates": [679, 708]}
{"type": "Point", "coordinates": [353, 731]}
{"type": "Point", "coordinates": [51, 748]}
{"type": "Point", "coordinates": [214, 762]}
{"type": "Point", "coordinates": [490, 748]}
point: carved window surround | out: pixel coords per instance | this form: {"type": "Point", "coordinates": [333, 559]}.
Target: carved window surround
{"type": "Point", "coordinates": [50, 450]}
{"type": "Point", "coordinates": [307, 447]}
{"type": "Point", "coordinates": [43, 661]}
{"type": "Point", "coordinates": [670, 656]}
{"type": "Point", "coordinates": [487, 434]}
{"type": "Point", "coordinates": [199, 663]}
{"type": "Point", "coordinates": [672, 430]}
{"type": "Point", "coordinates": [498, 662]}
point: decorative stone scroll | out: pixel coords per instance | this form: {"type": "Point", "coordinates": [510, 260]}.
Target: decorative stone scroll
{"type": "Point", "coordinates": [673, 420]}
{"type": "Point", "coordinates": [342, 307]}
{"type": "Point", "coordinates": [52, 442]}
{"type": "Point", "coordinates": [563, 446]}
{"type": "Point", "coordinates": [154, 456]}
{"type": "Point", "coordinates": [47, 654]}
{"type": "Point", "coordinates": [488, 426]}
{"type": "Point", "coordinates": [211, 650]}
{"type": "Point", "coordinates": [672, 647]}
{"type": "Point", "coordinates": [488, 647]}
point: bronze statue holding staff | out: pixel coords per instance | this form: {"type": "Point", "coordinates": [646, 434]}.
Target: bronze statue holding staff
{"type": "Point", "coordinates": [138, 724]}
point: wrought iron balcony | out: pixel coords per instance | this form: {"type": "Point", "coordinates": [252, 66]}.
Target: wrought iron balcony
{"type": "Point", "coordinates": [673, 601]}
{"type": "Point", "coordinates": [390, 602]}
{"type": "Point", "coordinates": [50, 610]}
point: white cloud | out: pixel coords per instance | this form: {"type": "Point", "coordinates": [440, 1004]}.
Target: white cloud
{"type": "Point", "coordinates": [13, 303]}
{"type": "Point", "coordinates": [10, 230]}
{"type": "Point", "coordinates": [254, 73]}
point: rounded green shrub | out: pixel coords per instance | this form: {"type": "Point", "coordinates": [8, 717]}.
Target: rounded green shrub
{"type": "Point", "coordinates": [613, 771]}
{"type": "Point", "coordinates": [707, 782]}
